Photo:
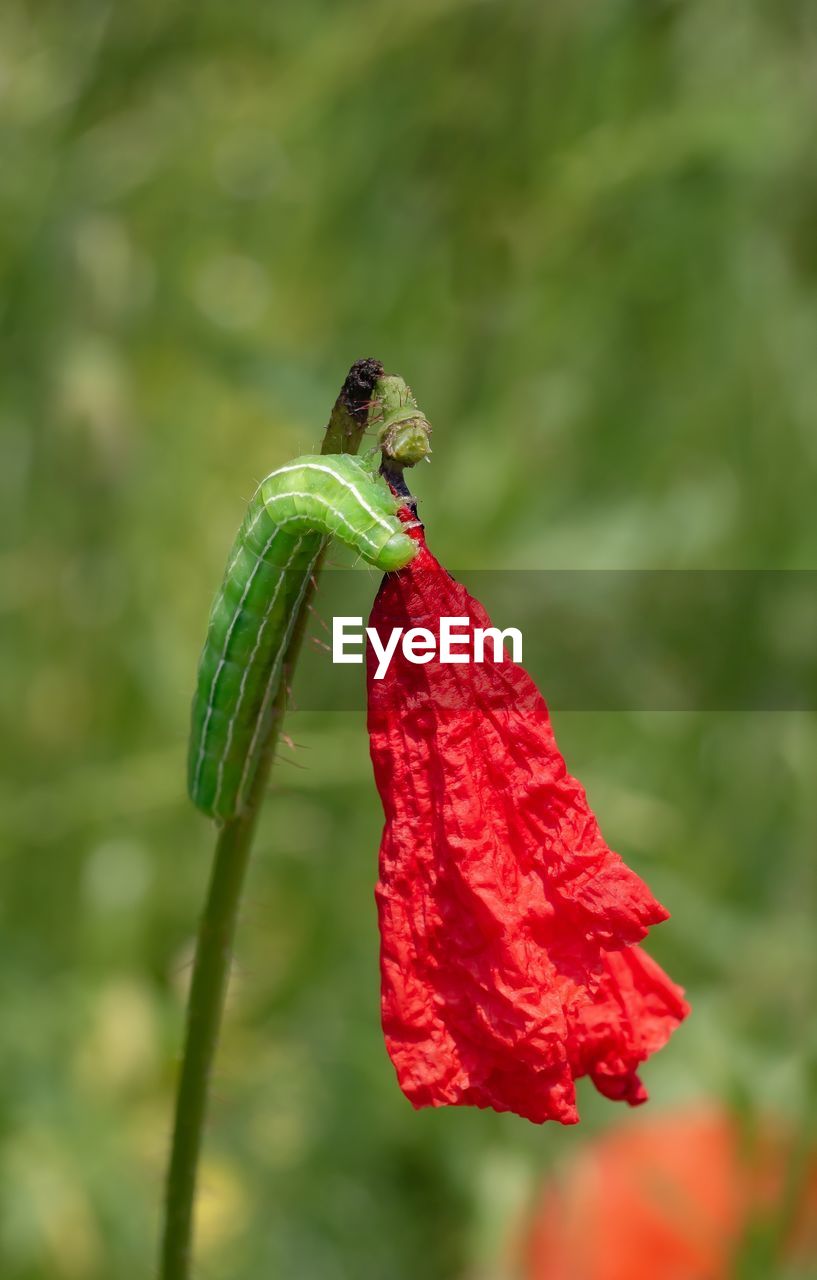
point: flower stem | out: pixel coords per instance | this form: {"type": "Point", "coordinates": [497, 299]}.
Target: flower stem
{"type": "Point", "coordinates": [214, 943]}
{"type": "Point", "coordinates": [210, 972]}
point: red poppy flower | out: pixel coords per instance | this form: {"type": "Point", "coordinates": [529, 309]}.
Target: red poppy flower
{"type": "Point", "coordinates": [508, 927]}
{"type": "Point", "coordinates": [674, 1197]}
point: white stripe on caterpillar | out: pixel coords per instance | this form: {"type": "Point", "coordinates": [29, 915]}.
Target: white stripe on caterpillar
{"type": "Point", "coordinates": [232, 564]}
{"type": "Point", "coordinates": [228, 740]}
{"type": "Point", "coordinates": [346, 484]}
{"type": "Point", "coordinates": [220, 667]}
{"type": "Point", "coordinates": [326, 502]}
{"type": "Point", "coordinates": [262, 711]}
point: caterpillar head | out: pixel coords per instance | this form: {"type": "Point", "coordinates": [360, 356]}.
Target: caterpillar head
{"type": "Point", "coordinates": [406, 440]}
{"type": "Point", "coordinates": [405, 432]}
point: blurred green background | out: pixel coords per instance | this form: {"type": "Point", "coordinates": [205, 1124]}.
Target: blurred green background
{"type": "Point", "coordinates": [587, 235]}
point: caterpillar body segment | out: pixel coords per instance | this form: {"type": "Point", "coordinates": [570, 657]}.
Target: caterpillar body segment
{"type": "Point", "coordinates": [289, 521]}
{"type": "Point", "coordinates": [340, 496]}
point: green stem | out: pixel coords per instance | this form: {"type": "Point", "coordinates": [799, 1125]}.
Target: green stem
{"type": "Point", "coordinates": [214, 944]}
{"type": "Point", "coordinates": [210, 973]}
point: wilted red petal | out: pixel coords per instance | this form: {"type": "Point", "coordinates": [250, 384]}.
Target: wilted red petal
{"type": "Point", "coordinates": [503, 913]}
{"type": "Point", "coordinates": [630, 1015]}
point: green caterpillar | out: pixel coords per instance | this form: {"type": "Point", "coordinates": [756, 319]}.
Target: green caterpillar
{"type": "Point", "coordinates": [293, 514]}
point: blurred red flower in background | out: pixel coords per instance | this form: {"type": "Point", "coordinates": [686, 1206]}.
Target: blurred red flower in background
{"type": "Point", "coordinates": [670, 1198]}
{"type": "Point", "coordinates": [508, 927]}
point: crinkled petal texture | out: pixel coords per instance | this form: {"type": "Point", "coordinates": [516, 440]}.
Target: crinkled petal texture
{"type": "Point", "coordinates": [508, 927]}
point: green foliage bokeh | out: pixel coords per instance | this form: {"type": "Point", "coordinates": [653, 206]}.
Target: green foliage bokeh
{"type": "Point", "coordinates": [587, 236]}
